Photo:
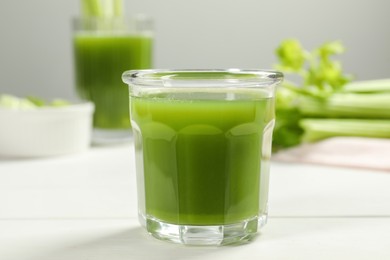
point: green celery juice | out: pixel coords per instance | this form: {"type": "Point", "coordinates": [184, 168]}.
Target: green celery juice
{"type": "Point", "coordinates": [100, 59]}
{"type": "Point", "coordinates": [201, 162]}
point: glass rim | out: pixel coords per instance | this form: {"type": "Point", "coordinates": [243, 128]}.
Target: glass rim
{"type": "Point", "coordinates": [135, 17]}
{"type": "Point", "coordinates": [138, 23]}
{"type": "Point", "coordinates": [203, 77]}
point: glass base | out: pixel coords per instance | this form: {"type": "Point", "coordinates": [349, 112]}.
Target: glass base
{"type": "Point", "coordinates": [111, 136]}
{"type": "Point", "coordinates": [217, 235]}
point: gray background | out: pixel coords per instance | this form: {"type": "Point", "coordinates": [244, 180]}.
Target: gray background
{"type": "Point", "coordinates": [36, 52]}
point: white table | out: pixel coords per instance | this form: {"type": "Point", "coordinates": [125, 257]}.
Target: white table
{"type": "Point", "coordinates": [83, 207]}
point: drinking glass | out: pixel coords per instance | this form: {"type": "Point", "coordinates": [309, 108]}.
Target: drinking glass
{"type": "Point", "coordinates": [103, 49]}
{"type": "Point", "coordinates": [203, 146]}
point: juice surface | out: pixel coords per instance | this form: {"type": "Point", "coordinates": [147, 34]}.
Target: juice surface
{"type": "Point", "coordinates": [201, 158]}
{"type": "Point", "coordinates": [100, 60]}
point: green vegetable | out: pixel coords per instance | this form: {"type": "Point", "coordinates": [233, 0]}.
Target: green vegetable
{"type": "Point", "coordinates": [368, 86]}
{"type": "Point", "coordinates": [317, 129]}
{"type": "Point", "coordinates": [287, 131]}
{"type": "Point", "coordinates": [319, 74]}
{"type": "Point", "coordinates": [59, 103]}
{"type": "Point", "coordinates": [102, 15]}
{"type": "Point", "coordinates": [102, 8]}
{"type": "Point", "coordinates": [324, 102]}
{"type": "Point", "coordinates": [30, 102]}
{"type": "Point", "coordinates": [12, 102]}
{"type": "Point", "coordinates": [39, 102]}
{"type": "Point", "coordinates": [347, 105]}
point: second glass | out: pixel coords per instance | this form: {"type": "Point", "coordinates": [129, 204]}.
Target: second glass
{"type": "Point", "coordinates": [103, 49]}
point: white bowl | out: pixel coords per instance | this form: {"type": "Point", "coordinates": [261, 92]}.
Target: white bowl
{"type": "Point", "coordinates": [45, 131]}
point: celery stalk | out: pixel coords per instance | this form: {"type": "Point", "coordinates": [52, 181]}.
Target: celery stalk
{"type": "Point", "coordinates": [118, 8]}
{"type": "Point", "coordinates": [317, 129]}
{"type": "Point", "coordinates": [326, 103]}
{"type": "Point", "coordinates": [91, 8]}
{"type": "Point", "coordinates": [102, 8]}
{"type": "Point", "coordinates": [347, 105]}
{"type": "Point", "coordinates": [368, 86]}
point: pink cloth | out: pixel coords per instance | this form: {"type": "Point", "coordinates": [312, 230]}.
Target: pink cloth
{"type": "Point", "coordinates": [355, 152]}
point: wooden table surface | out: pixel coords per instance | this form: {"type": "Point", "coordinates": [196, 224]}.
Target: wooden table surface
{"type": "Point", "coordinates": [83, 207]}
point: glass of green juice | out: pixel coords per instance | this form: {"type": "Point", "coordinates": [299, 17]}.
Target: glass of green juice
{"type": "Point", "coordinates": [103, 49]}
{"type": "Point", "coordinates": [203, 146]}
